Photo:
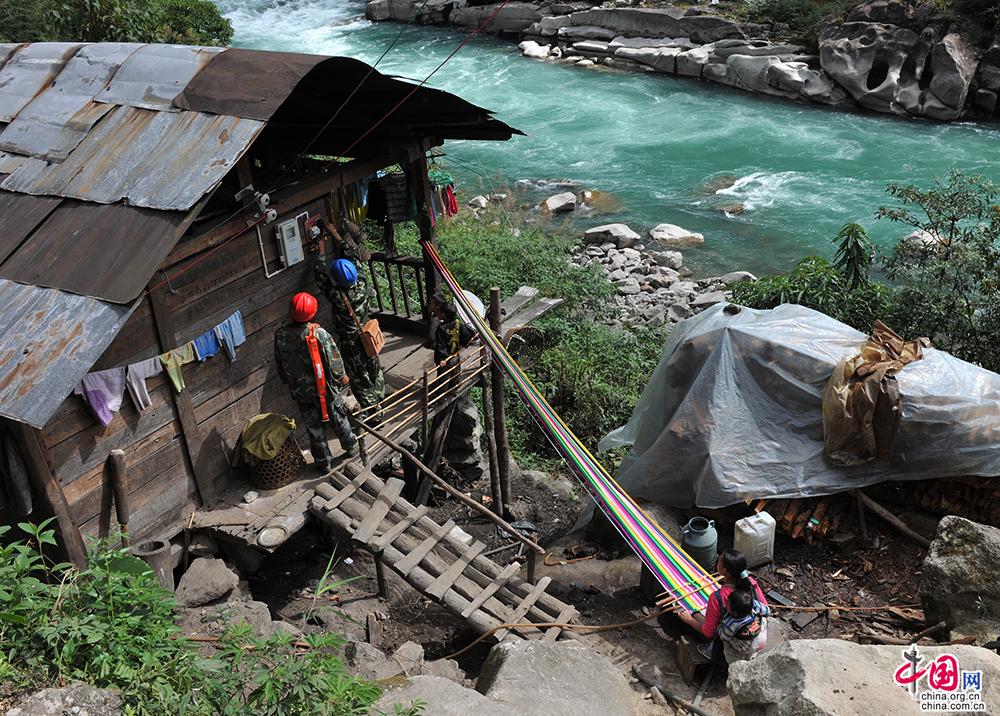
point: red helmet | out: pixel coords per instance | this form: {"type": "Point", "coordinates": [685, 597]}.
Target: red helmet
{"type": "Point", "coordinates": [303, 307]}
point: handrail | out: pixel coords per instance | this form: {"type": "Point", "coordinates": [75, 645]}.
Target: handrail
{"type": "Point", "coordinates": [395, 291]}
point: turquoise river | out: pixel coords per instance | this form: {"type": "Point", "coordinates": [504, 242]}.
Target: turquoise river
{"type": "Point", "coordinates": [661, 145]}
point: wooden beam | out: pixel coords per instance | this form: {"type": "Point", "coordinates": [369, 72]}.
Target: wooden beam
{"type": "Point", "coordinates": [420, 185]}
{"type": "Point", "coordinates": [190, 434]}
{"type": "Point", "coordinates": [499, 409]}
{"type": "Point", "coordinates": [30, 441]}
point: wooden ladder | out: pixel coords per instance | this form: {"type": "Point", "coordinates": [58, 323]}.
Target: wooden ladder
{"type": "Point", "coordinates": [433, 559]}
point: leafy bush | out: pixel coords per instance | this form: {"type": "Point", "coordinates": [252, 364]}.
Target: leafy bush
{"type": "Point", "coordinates": [949, 282]}
{"type": "Point", "coordinates": [195, 22]}
{"type": "Point", "coordinates": [816, 283]}
{"type": "Point", "coordinates": [112, 626]}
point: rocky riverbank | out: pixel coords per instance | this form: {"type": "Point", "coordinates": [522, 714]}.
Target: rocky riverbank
{"type": "Point", "coordinates": [904, 57]}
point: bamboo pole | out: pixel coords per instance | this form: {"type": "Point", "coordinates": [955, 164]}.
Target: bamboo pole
{"type": "Point", "coordinates": [491, 446]}
{"type": "Point", "coordinates": [499, 410]}
{"type": "Point", "coordinates": [443, 484]}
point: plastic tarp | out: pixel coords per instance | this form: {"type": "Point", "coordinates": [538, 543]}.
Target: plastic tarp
{"type": "Point", "coordinates": [733, 411]}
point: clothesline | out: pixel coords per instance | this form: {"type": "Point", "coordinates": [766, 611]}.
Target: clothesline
{"type": "Point", "coordinates": [104, 390]}
{"type": "Point", "coordinates": [673, 568]}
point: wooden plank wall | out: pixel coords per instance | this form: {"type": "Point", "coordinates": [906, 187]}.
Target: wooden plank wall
{"type": "Point", "coordinates": [162, 488]}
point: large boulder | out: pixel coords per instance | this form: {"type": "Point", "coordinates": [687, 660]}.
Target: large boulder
{"type": "Point", "coordinates": [442, 697]}
{"type": "Point", "coordinates": [960, 579]}
{"type": "Point", "coordinates": [691, 62]}
{"type": "Point", "coordinates": [554, 678]}
{"type": "Point", "coordinates": [534, 51]}
{"type": "Point", "coordinates": [511, 18]}
{"type": "Point", "coordinates": [831, 677]}
{"type": "Point", "coordinates": [661, 59]}
{"type": "Point", "coordinates": [560, 203]}
{"type": "Point", "coordinates": [618, 234]}
{"type": "Point", "coordinates": [674, 235]}
{"type": "Point", "coordinates": [76, 699]}
{"type": "Point", "coordinates": [206, 580]}
{"type": "Point", "coordinates": [897, 69]}
{"type": "Point", "coordinates": [661, 22]}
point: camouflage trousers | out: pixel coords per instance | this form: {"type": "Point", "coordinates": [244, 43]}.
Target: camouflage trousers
{"type": "Point", "coordinates": [312, 421]}
{"type": "Point", "coordinates": [365, 372]}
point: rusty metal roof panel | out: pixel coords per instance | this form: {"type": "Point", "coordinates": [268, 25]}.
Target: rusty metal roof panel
{"type": "Point", "coordinates": [29, 71]}
{"type": "Point", "coordinates": [120, 246]}
{"type": "Point", "coordinates": [58, 119]}
{"type": "Point", "coordinates": [157, 160]}
{"type": "Point", "coordinates": [49, 339]}
{"type": "Point", "coordinates": [155, 74]}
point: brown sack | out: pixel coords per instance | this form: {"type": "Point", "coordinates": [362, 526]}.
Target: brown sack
{"type": "Point", "coordinates": [372, 339]}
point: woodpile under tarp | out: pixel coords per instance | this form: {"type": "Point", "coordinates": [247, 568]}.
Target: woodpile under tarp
{"type": "Point", "coordinates": [734, 412]}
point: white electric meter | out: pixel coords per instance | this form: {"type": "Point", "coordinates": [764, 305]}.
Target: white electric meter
{"type": "Point", "coordinates": [289, 242]}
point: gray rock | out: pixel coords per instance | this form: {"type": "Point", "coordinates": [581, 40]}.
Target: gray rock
{"type": "Point", "coordinates": [675, 235]}
{"type": "Point", "coordinates": [618, 234]}
{"type": "Point", "coordinates": [669, 259]}
{"type": "Point", "coordinates": [677, 312]}
{"type": "Point", "coordinates": [832, 677]}
{"type": "Point", "coordinates": [560, 203]}
{"type": "Point", "coordinates": [691, 62]}
{"type": "Point", "coordinates": [636, 43]}
{"type": "Point", "coordinates": [618, 275]}
{"type": "Point", "coordinates": [410, 657]}
{"type": "Point", "coordinates": [627, 287]}
{"type": "Point", "coordinates": [721, 73]}
{"type": "Point", "coordinates": [364, 660]}
{"type": "Point", "coordinates": [584, 63]}
{"type": "Point", "coordinates": [443, 698]}
{"type": "Point", "coordinates": [705, 300]}
{"type": "Point", "coordinates": [463, 445]}
{"type": "Point", "coordinates": [735, 277]}
{"type": "Point", "coordinates": [960, 579]}
{"type": "Point", "coordinates": [591, 47]}
{"type": "Point", "coordinates": [953, 65]}
{"type": "Point", "coordinates": [377, 10]}
{"type": "Point", "coordinates": [584, 32]}
{"type": "Point", "coordinates": [550, 25]}
{"type": "Point", "coordinates": [756, 48]}
{"type": "Point", "coordinates": [72, 700]}
{"type": "Point", "coordinates": [554, 678]}
{"type": "Point", "coordinates": [206, 580]}
{"type": "Point", "coordinates": [665, 22]}
{"type": "Point", "coordinates": [532, 50]}
{"type": "Point", "coordinates": [479, 202]}
{"type": "Point", "coordinates": [661, 59]}
{"type": "Point", "coordinates": [513, 17]}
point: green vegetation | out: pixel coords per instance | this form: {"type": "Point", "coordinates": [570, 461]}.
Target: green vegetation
{"type": "Point", "coordinates": [944, 284]}
{"type": "Point", "coordinates": [112, 626]}
{"type": "Point", "coordinates": [193, 22]}
{"type": "Point", "coordinates": [591, 374]}
{"type": "Point", "coordinates": [802, 16]}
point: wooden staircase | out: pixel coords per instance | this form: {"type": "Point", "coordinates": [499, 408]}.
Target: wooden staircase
{"type": "Point", "coordinates": [433, 560]}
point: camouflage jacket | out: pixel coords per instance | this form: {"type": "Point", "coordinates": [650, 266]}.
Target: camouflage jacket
{"type": "Point", "coordinates": [291, 355]}
{"type": "Point", "coordinates": [347, 328]}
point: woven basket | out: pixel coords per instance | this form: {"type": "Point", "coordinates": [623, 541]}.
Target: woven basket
{"type": "Point", "coordinates": [281, 470]}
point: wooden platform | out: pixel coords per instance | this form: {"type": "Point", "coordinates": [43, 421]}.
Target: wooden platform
{"type": "Point", "coordinates": [433, 559]}
{"type": "Point", "coordinates": [405, 360]}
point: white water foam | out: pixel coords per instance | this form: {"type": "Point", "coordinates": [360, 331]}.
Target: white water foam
{"type": "Point", "coordinates": [766, 189]}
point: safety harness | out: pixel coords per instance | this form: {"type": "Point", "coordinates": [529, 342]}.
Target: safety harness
{"type": "Point", "coordinates": [317, 364]}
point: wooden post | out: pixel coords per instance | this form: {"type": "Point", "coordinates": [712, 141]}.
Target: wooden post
{"type": "Point", "coordinates": [421, 188]}
{"type": "Point", "coordinates": [532, 563]}
{"type": "Point", "coordinates": [499, 411]}
{"type": "Point", "coordinates": [119, 482]}
{"type": "Point", "coordinates": [38, 466]}
{"type": "Point", "coordinates": [491, 443]}
{"type": "Point", "coordinates": [424, 427]}
{"type": "Point", "coordinates": [383, 585]}
{"type": "Point", "coordinates": [363, 450]}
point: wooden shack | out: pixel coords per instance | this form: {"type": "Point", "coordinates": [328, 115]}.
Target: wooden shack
{"type": "Point", "coordinates": [132, 220]}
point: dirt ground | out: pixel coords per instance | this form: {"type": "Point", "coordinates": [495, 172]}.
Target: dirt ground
{"type": "Point", "coordinates": [604, 591]}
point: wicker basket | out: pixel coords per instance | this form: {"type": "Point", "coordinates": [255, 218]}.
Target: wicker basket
{"type": "Point", "coordinates": [281, 470]}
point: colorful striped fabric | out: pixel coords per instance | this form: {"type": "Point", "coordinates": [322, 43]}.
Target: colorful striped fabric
{"type": "Point", "coordinates": [686, 583]}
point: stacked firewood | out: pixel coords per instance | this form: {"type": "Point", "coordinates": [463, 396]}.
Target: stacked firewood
{"type": "Point", "coordinates": [807, 517]}
{"type": "Point", "coordinates": [975, 498]}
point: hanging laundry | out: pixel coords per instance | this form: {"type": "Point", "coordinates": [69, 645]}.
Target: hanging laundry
{"type": "Point", "coordinates": [136, 380]}
{"type": "Point", "coordinates": [206, 345]}
{"type": "Point", "coordinates": [103, 391]}
{"type": "Point", "coordinates": [439, 178]}
{"type": "Point", "coordinates": [437, 204]}
{"type": "Point", "coordinates": [173, 361]}
{"type": "Point", "coordinates": [231, 333]}
{"type": "Point", "coordinates": [351, 203]}
{"type": "Point", "coordinates": [398, 202]}
{"type": "Point", "coordinates": [450, 202]}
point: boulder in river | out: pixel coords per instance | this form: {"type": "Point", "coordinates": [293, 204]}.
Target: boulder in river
{"type": "Point", "coordinates": [534, 51]}
{"type": "Point", "coordinates": [674, 235]}
{"type": "Point", "coordinates": [560, 203]}
{"type": "Point", "coordinates": [618, 234]}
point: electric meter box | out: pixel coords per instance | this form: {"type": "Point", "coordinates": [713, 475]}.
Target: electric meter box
{"type": "Point", "coordinates": [289, 243]}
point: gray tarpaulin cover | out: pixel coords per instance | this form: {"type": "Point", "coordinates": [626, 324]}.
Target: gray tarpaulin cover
{"type": "Point", "coordinates": [734, 411]}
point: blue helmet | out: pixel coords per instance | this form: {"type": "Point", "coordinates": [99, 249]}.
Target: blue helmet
{"type": "Point", "coordinates": [344, 272]}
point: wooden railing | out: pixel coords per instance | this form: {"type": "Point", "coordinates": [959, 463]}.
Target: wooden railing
{"type": "Point", "coordinates": [399, 285]}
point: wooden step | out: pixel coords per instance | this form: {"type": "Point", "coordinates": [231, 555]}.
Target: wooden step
{"type": "Point", "coordinates": [386, 497]}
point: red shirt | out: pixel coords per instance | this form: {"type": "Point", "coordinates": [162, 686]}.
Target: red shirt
{"type": "Point", "coordinates": [713, 613]}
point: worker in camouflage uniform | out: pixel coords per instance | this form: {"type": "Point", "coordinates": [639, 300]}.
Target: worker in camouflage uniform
{"type": "Point", "coordinates": [349, 297]}
{"type": "Point", "coordinates": [297, 362]}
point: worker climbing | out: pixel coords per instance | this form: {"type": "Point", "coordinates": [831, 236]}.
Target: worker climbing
{"type": "Point", "coordinates": [358, 336]}
{"type": "Point", "coordinates": [310, 365]}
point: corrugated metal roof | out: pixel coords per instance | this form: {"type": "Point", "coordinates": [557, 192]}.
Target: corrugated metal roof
{"type": "Point", "coordinates": [155, 74]}
{"type": "Point", "coordinates": [120, 246]}
{"type": "Point", "coordinates": [159, 160]}
{"type": "Point", "coordinates": [29, 71]}
{"type": "Point", "coordinates": [48, 340]}
{"type": "Point", "coordinates": [53, 123]}
{"type": "Point", "coordinates": [20, 214]}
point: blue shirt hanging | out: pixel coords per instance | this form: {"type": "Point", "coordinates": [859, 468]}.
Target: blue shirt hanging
{"type": "Point", "coordinates": [231, 333]}
{"type": "Point", "coordinates": [206, 345]}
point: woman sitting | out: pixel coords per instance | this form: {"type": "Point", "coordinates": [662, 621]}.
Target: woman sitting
{"type": "Point", "coordinates": [736, 617]}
